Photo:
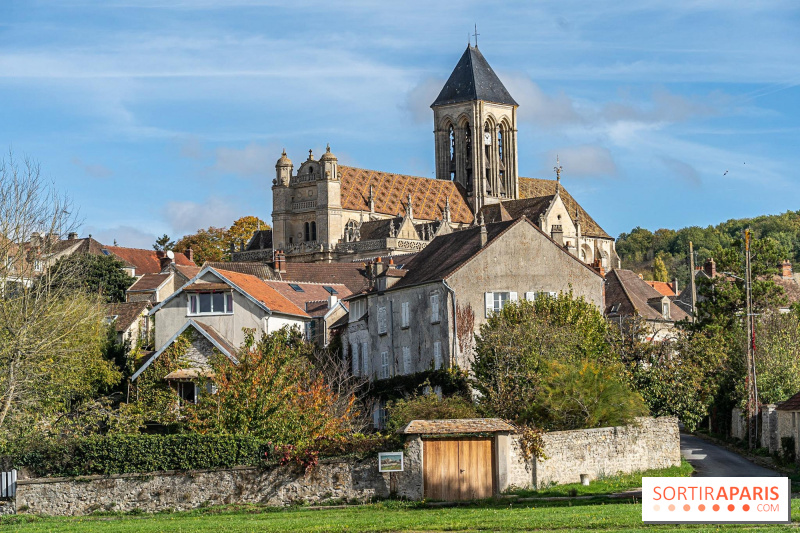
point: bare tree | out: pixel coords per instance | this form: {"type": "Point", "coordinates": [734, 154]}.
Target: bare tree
{"type": "Point", "coordinates": [335, 371]}
{"type": "Point", "coordinates": [44, 328]}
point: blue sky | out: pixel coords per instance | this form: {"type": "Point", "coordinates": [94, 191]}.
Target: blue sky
{"type": "Point", "coordinates": [164, 116]}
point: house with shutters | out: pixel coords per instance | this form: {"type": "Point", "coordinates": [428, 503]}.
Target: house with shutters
{"type": "Point", "coordinates": [407, 322]}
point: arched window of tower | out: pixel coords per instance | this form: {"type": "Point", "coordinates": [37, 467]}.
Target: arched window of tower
{"type": "Point", "coordinates": [452, 140]}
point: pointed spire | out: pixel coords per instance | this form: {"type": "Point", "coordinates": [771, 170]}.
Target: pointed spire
{"type": "Point", "coordinates": [558, 170]}
{"type": "Point", "coordinates": [446, 213]}
{"type": "Point", "coordinates": [410, 208]}
{"type": "Point", "coordinates": [484, 234]}
{"type": "Point", "coordinates": [473, 79]}
{"type": "Point", "coordinates": [371, 199]}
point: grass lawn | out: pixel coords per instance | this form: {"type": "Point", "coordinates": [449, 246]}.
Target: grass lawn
{"type": "Point", "coordinates": [387, 516]}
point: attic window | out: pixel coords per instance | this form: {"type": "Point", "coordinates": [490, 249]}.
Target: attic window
{"type": "Point", "coordinates": [105, 252]}
{"type": "Point", "coordinates": [296, 287]}
{"type": "Point", "coordinates": [330, 290]}
{"type": "Point", "coordinates": [615, 308]}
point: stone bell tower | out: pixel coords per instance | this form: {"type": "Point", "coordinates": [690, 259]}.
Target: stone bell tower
{"type": "Point", "coordinates": [475, 121]}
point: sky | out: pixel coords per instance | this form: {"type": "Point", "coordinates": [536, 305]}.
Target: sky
{"type": "Point", "coordinates": [160, 116]}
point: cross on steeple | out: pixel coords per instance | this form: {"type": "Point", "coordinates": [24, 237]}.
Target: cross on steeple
{"type": "Point", "coordinates": [558, 170]}
{"type": "Point", "coordinates": [476, 35]}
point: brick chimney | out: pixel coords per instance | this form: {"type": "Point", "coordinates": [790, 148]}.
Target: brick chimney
{"type": "Point", "coordinates": [675, 285]}
{"type": "Point", "coordinates": [710, 268]}
{"type": "Point", "coordinates": [189, 253]}
{"type": "Point", "coordinates": [597, 266]}
{"type": "Point", "coordinates": [280, 261]}
{"type": "Point", "coordinates": [786, 270]}
{"type": "Point", "coordinates": [72, 235]}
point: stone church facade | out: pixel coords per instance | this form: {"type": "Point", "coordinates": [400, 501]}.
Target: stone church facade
{"type": "Point", "coordinates": [326, 212]}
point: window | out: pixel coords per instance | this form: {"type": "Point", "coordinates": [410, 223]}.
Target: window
{"type": "Point", "coordinates": [211, 303]}
{"type": "Point", "coordinates": [665, 309]}
{"type": "Point", "coordinates": [365, 357]}
{"type": "Point", "coordinates": [382, 326]}
{"type": "Point", "coordinates": [313, 230]}
{"type": "Point", "coordinates": [356, 366]}
{"type": "Point", "coordinates": [404, 318]}
{"type": "Point", "coordinates": [546, 294]}
{"type": "Point", "coordinates": [312, 330]}
{"type": "Point", "coordinates": [330, 290]}
{"type": "Point", "coordinates": [495, 301]}
{"type": "Point", "coordinates": [434, 308]}
{"type": "Point", "coordinates": [407, 360]}
{"type": "Point", "coordinates": [307, 232]}
{"type": "Point", "coordinates": [437, 355]}
{"type": "Point", "coordinates": [357, 309]}
{"type": "Point", "coordinates": [37, 265]}
{"type": "Point", "coordinates": [530, 296]}
{"type": "Point", "coordinates": [105, 252]}
{"type": "Point", "coordinates": [384, 365]}
{"type": "Point", "coordinates": [187, 391]}
{"type": "Point", "coordinates": [296, 287]}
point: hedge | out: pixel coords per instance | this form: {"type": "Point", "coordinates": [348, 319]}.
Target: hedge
{"type": "Point", "coordinates": [126, 454]}
{"type": "Point", "coordinates": [122, 454]}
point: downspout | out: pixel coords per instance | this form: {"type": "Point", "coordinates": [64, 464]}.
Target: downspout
{"type": "Point", "coordinates": [455, 326]}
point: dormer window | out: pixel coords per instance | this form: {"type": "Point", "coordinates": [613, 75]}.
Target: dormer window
{"type": "Point", "coordinates": [211, 303]}
{"type": "Point", "coordinates": [665, 310]}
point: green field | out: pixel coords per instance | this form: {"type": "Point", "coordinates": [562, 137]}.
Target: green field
{"type": "Point", "coordinates": [386, 516]}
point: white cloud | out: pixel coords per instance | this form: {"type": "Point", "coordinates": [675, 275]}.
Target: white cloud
{"type": "Point", "coordinates": [583, 161]}
{"type": "Point", "coordinates": [252, 160]}
{"type": "Point", "coordinates": [187, 217]}
{"type": "Point", "coordinates": [538, 107]}
{"type": "Point", "coordinates": [421, 96]}
{"type": "Point", "coordinates": [682, 170]}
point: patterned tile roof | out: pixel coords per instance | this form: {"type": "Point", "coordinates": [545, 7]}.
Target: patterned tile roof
{"type": "Point", "coordinates": [456, 426]}
{"type": "Point", "coordinates": [535, 188]}
{"type": "Point", "coordinates": [428, 196]}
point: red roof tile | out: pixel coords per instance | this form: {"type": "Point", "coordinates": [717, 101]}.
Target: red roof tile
{"type": "Point", "coordinates": [149, 282]}
{"type": "Point", "coordinates": [313, 294]}
{"type": "Point", "coordinates": [145, 261]}
{"type": "Point", "coordinates": [262, 292]}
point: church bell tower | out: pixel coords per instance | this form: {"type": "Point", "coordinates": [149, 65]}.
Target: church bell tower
{"type": "Point", "coordinates": [475, 121]}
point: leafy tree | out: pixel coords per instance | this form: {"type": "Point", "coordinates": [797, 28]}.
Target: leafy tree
{"type": "Point", "coordinates": [584, 395]}
{"type": "Point", "coordinates": [520, 348]}
{"type": "Point", "coordinates": [206, 244]}
{"type": "Point", "coordinates": [163, 244]}
{"type": "Point", "coordinates": [274, 393]}
{"type": "Point", "coordinates": [94, 274]}
{"type": "Point", "coordinates": [214, 244]}
{"type": "Point", "coordinates": [50, 336]}
{"type": "Point", "coordinates": [659, 270]}
{"type": "Point", "coordinates": [427, 407]}
{"type": "Point", "coordinates": [777, 356]}
{"type": "Point", "coordinates": [243, 230]}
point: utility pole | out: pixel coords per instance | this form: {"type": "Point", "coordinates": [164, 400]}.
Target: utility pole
{"type": "Point", "coordinates": [750, 381]}
{"type": "Point", "coordinates": [693, 289]}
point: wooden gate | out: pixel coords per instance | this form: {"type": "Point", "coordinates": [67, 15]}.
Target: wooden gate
{"type": "Point", "coordinates": [458, 468]}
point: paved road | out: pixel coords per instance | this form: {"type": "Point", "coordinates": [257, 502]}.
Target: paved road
{"type": "Point", "coordinates": [711, 460]}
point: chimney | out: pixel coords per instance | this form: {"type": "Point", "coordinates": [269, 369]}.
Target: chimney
{"type": "Point", "coordinates": [280, 261]}
{"type": "Point", "coordinates": [189, 253]}
{"type": "Point", "coordinates": [36, 239]}
{"type": "Point", "coordinates": [332, 301]}
{"type": "Point", "coordinates": [675, 285]}
{"type": "Point", "coordinates": [72, 236]}
{"type": "Point", "coordinates": [380, 268]}
{"type": "Point", "coordinates": [597, 266]}
{"type": "Point", "coordinates": [710, 268]}
{"type": "Point", "coordinates": [786, 270]}
{"type": "Point", "coordinates": [165, 259]}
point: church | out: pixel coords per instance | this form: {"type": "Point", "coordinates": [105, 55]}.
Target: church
{"type": "Point", "coordinates": [324, 212]}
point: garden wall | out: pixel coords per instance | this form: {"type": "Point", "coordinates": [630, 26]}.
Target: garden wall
{"type": "Point", "coordinates": [348, 479]}
{"type": "Point", "coordinates": [650, 443]}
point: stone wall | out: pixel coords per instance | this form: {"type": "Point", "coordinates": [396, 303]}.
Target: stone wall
{"type": "Point", "coordinates": [738, 424]}
{"type": "Point", "coordinates": [769, 428]}
{"type": "Point", "coordinates": [281, 485]}
{"type": "Point", "coordinates": [6, 507]}
{"type": "Point", "coordinates": [648, 444]}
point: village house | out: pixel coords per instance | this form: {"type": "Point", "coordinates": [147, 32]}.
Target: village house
{"type": "Point", "coordinates": [628, 296]}
{"type": "Point", "coordinates": [407, 322]}
{"type": "Point", "coordinates": [131, 321]}
{"type": "Point", "coordinates": [155, 288]}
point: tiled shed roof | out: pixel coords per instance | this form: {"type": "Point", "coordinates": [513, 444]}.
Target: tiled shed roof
{"type": "Point", "coordinates": [456, 426]}
{"type": "Point", "coordinates": [428, 196]}
{"type": "Point", "coordinates": [126, 313]}
{"type": "Point", "coordinates": [149, 282]}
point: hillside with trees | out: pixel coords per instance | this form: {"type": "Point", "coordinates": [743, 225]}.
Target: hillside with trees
{"type": "Point", "coordinates": [664, 254]}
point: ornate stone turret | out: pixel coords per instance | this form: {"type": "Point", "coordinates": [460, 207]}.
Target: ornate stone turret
{"type": "Point", "coordinates": [409, 208]}
{"type": "Point", "coordinates": [283, 170]}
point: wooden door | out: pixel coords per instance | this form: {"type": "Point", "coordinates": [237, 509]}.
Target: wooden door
{"type": "Point", "coordinates": [458, 468]}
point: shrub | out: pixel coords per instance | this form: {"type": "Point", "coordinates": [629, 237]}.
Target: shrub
{"type": "Point", "coordinates": [787, 447]}
{"type": "Point", "coordinates": [427, 407]}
